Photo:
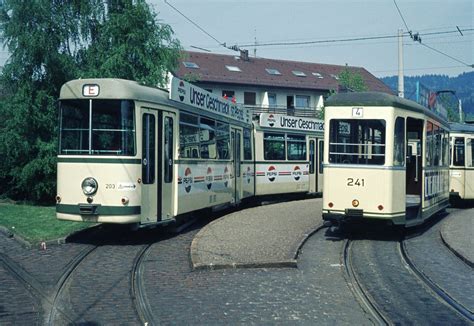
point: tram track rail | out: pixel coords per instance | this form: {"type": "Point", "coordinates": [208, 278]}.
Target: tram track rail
{"type": "Point", "coordinates": [442, 295]}
{"type": "Point", "coordinates": [44, 298]}
{"type": "Point", "coordinates": [362, 295]}
{"type": "Point", "coordinates": [72, 266]}
{"type": "Point", "coordinates": [142, 305]}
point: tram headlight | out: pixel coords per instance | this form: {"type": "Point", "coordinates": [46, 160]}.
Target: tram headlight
{"type": "Point", "coordinates": [355, 203]}
{"type": "Point", "coordinates": [89, 186]}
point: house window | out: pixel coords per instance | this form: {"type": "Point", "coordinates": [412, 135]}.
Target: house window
{"type": "Point", "coordinates": [250, 98]}
{"type": "Point", "coordinates": [302, 101]}
{"type": "Point", "coordinates": [189, 64]}
{"type": "Point", "coordinates": [228, 94]}
{"type": "Point", "coordinates": [272, 71]}
{"type": "Point", "coordinates": [272, 99]}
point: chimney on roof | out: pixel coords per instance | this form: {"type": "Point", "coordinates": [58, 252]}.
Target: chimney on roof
{"type": "Point", "coordinates": [244, 55]}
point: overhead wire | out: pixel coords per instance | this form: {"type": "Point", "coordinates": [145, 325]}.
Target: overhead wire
{"type": "Point", "coordinates": [417, 38]}
{"type": "Point", "coordinates": [195, 24]}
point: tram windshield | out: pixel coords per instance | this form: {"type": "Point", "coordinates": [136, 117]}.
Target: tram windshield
{"type": "Point", "coordinates": [355, 141]}
{"type": "Point", "coordinates": [97, 127]}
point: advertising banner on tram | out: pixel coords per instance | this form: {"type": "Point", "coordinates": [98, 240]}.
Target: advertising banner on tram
{"type": "Point", "coordinates": [290, 122]}
{"type": "Point", "coordinates": [187, 93]}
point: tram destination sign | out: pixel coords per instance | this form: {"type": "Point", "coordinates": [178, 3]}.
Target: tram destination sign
{"type": "Point", "coordinates": [187, 93]}
{"type": "Point", "coordinates": [290, 122]}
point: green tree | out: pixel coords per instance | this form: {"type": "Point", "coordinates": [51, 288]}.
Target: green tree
{"type": "Point", "coordinates": [352, 80]}
{"type": "Point", "coordinates": [54, 42]}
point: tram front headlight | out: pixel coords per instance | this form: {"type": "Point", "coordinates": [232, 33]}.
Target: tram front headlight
{"type": "Point", "coordinates": [89, 186]}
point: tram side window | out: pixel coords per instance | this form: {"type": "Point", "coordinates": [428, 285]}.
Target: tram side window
{"type": "Point", "coordinates": [470, 152]}
{"type": "Point", "coordinates": [399, 143]}
{"type": "Point", "coordinates": [207, 138]}
{"type": "Point", "coordinates": [273, 146]}
{"type": "Point", "coordinates": [355, 141]}
{"type": "Point", "coordinates": [222, 140]}
{"type": "Point", "coordinates": [458, 159]}
{"type": "Point", "coordinates": [296, 147]}
{"type": "Point", "coordinates": [437, 148]}
{"type": "Point", "coordinates": [429, 143]}
{"type": "Point", "coordinates": [247, 144]}
{"type": "Point", "coordinates": [445, 146]}
{"type": "Point", "coordinates": [458, 151]}
{"type": "Point", "coordinates": [188, 136]}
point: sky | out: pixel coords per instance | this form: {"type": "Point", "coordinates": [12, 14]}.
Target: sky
{"type": "Point", "coordinates": [279, 21]}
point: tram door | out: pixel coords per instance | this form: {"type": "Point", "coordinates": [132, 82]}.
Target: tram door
{"type": "Point", "coordinates": [236, 141]}
{"type": "Point", "coordinates": [157, 165]}
{"type": "Point", "coordinates": [313, 161]}
{"type": "Point", "coordinates": [320, 164]}
{"type": "Point", "coordinates": [414, 167]}
{"type": "Point", "coordinates": [316, 147]}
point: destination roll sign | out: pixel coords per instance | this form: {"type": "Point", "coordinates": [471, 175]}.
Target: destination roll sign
{"type": "Point", "coordinates": [187, 93]}
{"type": "Point", "coordinates": [290, 122]}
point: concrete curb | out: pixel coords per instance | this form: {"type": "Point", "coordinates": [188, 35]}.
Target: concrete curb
{"type": "Point", "coordinates": [459, 254]}
{"type": "Point", "coordinates": [23, 242]}
{"type": "Point", "coordinates": [197, 264]}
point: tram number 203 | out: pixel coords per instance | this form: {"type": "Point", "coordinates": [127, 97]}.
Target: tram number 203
{"type": "Point", "coordinates": [351, 182]}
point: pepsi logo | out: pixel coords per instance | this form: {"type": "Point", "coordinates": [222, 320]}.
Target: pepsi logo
{"type": "Point", "coordinates": [297, 173]}
{"type": "Point", "coordinates": [272, 173]}
{"type": "Point", "coordinates": [226, 177]}
{"type": "Point", "coordinates": [271, 120]}
{"type": "Point", "coordinates": [209, 178]}
{"type": "Point", "coordinates": [187, 180]}
{"type": "Point", "coordinates": [181, 91]}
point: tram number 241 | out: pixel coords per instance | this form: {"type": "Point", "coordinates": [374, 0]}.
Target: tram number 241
{"type": "Point", "coordinates": [351, 182]}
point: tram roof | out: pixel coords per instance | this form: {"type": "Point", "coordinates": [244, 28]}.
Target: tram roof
{"type": "Point", "coordinates": [461, 127]}
{"type": "Point", "coordinates": [112, 88]}
{"type": "Point", "coordinates": [379, 99]}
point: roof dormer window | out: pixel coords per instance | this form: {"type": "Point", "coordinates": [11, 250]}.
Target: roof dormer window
{"type": "Point", "coordinates": [298, 73]}
{"type": "Point", "coordinates": [317, 75]}
{"type": "Point", "coordinates": [272, 71]}
{"type": "Point", "coordinates": [233, 68]}
{"type": "Point", "coordinates": [189, 64]}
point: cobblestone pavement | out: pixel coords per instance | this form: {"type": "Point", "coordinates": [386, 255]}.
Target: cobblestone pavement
{"type": "Point", "coordinates": [98, 291]}
{"type": "Point", "coordinates": [398, 293]}
{"type": "Point", "coordinates": [439, 264]}
{"type": "Point", "coordinates": [314, 293]}
{"type": "Point", "coordinates": [257, 237]}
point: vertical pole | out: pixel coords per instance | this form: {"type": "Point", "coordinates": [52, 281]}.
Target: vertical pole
{"type": "Point", "coordinates": [460, 110]}
{"type": "Point", "coordinates": [401, 87]}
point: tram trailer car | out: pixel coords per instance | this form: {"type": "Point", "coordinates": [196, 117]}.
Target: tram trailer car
{"type": "Point", "coordinates": [135, 154]}
{"type": "Point", "coordinates": [461, 169]}
{"type": "Point", "coordinates": [288, 154]}
{"type": "Point", "coordinates": [386, 159]}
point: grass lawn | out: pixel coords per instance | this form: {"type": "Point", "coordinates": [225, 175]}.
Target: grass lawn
{"type": "Point", "coordinates": [36, 223]}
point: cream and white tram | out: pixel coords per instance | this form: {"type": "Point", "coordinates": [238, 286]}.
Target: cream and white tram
{"type": "Point", "coordinates": [386, 158]}
{"type": "Point", "coordinates": [461, 169]}
{"type": "Point", "coordinates": [135, 154]}
{"type": "Point", "coordinates": [288, 154]}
